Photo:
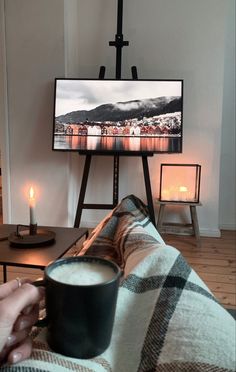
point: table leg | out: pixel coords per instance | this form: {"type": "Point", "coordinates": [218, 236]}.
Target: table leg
{"type": "Point", "coordinates": [194, 219]}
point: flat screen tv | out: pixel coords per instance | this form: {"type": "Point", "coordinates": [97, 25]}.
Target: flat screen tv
{"type": "Point", "coordinates": [122, 117]}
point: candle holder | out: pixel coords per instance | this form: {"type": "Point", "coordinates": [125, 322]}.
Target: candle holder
{"type": "Point", "coordinates": [33, 229]}
{"type": "Point", "coordinates": [31, 236]}
{"type": "Point", "coordinates": [180, 183]}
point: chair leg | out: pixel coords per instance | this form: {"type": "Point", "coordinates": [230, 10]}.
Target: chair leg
{"type": "Point", "coordinates": [193, 212]}
{"type": "Point", "coordinates": [160, 217]}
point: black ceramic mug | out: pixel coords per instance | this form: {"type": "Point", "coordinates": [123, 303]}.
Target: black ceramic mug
{"type": "Point", "coordinates": [80, 317]}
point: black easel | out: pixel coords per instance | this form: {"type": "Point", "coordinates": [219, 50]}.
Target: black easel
{"type": "Point", "coordinates": [118, 44]}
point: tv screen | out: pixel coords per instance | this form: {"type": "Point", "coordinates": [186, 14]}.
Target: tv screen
{"type": "Point", "coordinates": [118, 116]}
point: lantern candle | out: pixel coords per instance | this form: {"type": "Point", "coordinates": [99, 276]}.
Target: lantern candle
{"type": "Point", "coordinates": [32, 206]}
{"type": "Point", "coordinates": [183, 193]}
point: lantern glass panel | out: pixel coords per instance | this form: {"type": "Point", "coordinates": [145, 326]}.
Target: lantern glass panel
{"type": "Point", "coordinates": [180, 183]}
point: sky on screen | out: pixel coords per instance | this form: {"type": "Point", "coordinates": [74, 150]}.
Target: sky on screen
{"type": "Point", "coordinates": [74, 95]}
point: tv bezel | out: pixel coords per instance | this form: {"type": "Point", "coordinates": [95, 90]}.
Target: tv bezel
{"type": "Point", "coordinates": [116, 152]}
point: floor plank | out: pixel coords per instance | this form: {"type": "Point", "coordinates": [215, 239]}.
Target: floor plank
{"type": "Point", "coordinates": [217, 278]}
{"type": "Point", "coordinates": [223, 287]}
{"type": "Point", "coordinates": [226, 298]}
{"type": "Point", "coordinates": [214, 262]}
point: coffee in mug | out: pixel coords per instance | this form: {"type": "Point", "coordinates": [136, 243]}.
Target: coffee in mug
{"type": "Point", "coordinates": [82, 273]}
{"type": "Point", "coordinates": [80, 298]}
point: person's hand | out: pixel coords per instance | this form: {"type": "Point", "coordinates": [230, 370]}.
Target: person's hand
{"type": "Point", "coordinates": [19, 310]}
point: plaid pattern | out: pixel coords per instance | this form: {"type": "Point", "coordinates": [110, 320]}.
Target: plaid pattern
{"type": "Point", "coordinates": [166, 318]}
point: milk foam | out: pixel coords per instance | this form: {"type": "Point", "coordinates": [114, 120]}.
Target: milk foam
{"type": "Point", "coordinates": [82, 273]}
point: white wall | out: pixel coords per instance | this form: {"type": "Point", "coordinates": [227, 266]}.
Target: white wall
{"type": "Point", "coordinates": [4, 137]}
{"type": "Point", "coordinates": [228, 155]}
{"type": "Point", "coordinates": [168, 39]}
{"type": "Point", "coordinates": [34, 56]}
{"type": "Point", "coordinates": [183, 39]}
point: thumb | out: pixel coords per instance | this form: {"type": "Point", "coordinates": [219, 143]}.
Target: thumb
{"type": "Point", "coordinates": [12, 305]}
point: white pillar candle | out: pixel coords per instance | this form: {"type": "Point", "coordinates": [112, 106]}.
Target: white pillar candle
{"type": "Point", "coordinates": [32, 206]}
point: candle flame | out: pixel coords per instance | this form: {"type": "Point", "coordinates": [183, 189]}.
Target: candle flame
{"type": "Point", "coordinates": [31, 193]}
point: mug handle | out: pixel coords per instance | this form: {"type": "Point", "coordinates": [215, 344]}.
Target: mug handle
{"type": "Point", "coordinates": [42, 322]}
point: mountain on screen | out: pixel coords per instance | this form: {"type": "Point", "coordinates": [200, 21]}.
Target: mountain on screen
{"type": "Point", "coordinates": [124, 110]}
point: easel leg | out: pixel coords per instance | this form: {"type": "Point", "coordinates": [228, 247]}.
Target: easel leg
{"type": "Point", "coordinates": [148, 189]}
{"type": "Point", "coordinates": [82, 190]}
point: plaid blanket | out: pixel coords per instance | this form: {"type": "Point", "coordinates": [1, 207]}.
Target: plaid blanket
{"type": "Point", "coordinates": [166, 318]}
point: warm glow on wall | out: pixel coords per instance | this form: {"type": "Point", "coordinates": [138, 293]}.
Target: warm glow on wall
{"type": "Point", "coordinates": [180, 182]}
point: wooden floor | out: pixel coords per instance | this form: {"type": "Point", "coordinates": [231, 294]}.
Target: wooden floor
{"type": "Point", "coordinates": [215, 263]}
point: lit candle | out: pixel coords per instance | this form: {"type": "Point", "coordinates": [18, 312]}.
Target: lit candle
{"type": "Point", "coordinates": [32, 206]}
{"type": "Point", "coordinates": [183, 193]}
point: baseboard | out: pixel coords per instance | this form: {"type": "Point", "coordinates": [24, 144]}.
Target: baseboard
{"type": "Point", "coordinates": [211, 233]}
{"type": "Point", "coordinates": [228, 226]}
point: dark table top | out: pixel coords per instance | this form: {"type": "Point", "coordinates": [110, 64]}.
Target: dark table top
{"type": "Point", "coordinates": [37, 257]}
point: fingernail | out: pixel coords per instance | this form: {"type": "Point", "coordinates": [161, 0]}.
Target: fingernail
{"type": "Point", "coordinates": [16, 357]}
{"type": "Point", "coordinates": [10, 340]}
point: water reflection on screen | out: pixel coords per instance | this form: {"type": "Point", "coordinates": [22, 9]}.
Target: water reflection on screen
{"type": "Point", "coordinates": [117, 144]}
